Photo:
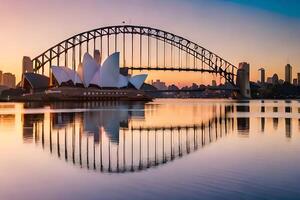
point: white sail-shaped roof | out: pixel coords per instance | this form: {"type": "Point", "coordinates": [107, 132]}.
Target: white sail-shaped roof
{"type": "Point", "coordinates": [65, 74]}
{"type": "Point", "coordinates": [96, 79]}
{"type": "Point", "coordinates": [110, 70]}
{"type": "Point", "coordinates": [89, 68]}
{"type": "Point", "coordinates": [89, 72]}
{"type": "Point", "coordinates": [123, 81]}
{"type": "Point", "coordinates": [72, 75]}
{"type": "Point", "coordinates": [60, 74]}
{"type": "Point", "coordinates": [138, 80]}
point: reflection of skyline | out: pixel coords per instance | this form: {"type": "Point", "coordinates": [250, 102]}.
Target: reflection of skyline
{"type": "Point", "coordinates": [275, 123]}
{"type": "Point", "coordinates": [129, 131]}
{"type": "Point", "coordinates": [243, 123]}
{"type": "Point", "coordinates": [113, 117]}
{"type": "Point", "coordinates": [288, 127]}
{"type": "Point", "coordinates": [29, 121]}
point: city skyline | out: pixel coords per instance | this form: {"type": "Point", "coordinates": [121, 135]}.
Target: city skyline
{"type": "Point", "coordinates": [263, 36]}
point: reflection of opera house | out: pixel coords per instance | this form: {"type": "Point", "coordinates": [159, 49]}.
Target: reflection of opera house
{"type": "Point", "coordinates": [91, 81]}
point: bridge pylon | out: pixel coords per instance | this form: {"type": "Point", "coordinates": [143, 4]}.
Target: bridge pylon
{"type": "Point", "coordinates": [242, 80]}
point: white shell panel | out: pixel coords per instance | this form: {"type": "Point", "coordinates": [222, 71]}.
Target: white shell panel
{"type": "Point", "coordinates": [60, 74]}
{"type": "Point", "coordinates": [138, 80]}
{"type": "Point", "coordinates": [110, 70]}
{"type": "Point", "coordinates": [123, 81]}
{"type": "Point", "coordinates": [89, 68]}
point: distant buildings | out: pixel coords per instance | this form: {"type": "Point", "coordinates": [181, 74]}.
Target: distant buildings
{"type": "Point", "coordinates": [9, 80]}
{"type": "Point", "coordinates": [173, 87]}
{"type": "Point", "coordinates": [281, 81]}
{"type": "Point", "coordinates": [214, 83]}
{"type": "Point", "coordinates": [288, 73]}
{"type": "Point", "coordinates": [159, 85]}
{"type": "Point", "coordinates": [262, 75]}
{"type": "Point", "coordinates": [275, 79]}
{"type": "Point", "coordinates": [270, 80]}
{"type": "Point", "coordinates": [295, 82]}
{"type": "Point", "coordinates": [194, 86]}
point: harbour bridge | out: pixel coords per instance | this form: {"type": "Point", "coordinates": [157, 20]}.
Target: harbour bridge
{"type": "Point", "coordinates": [141, 48]}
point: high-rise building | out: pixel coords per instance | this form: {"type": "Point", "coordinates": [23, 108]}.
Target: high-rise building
{"type": "Point", "coordinates": [1, 77]}
{"type": "Point", "coordinates": [262, 75]}
{"type": "Point", "coordinates": [9, 80]}
{"type": "Point", "coordinates": [27, 65]}
{"type": "Point", "coordinates": [288, 73]}
{"type": "Point", "coordinates": [298, 77]}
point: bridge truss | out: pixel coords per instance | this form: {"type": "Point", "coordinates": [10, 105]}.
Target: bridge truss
{"type": "Point", "coordinates": [150, 49]}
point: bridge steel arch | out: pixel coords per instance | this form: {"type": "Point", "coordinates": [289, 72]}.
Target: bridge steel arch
{"type": "Point", "coordinates": [209, 61]}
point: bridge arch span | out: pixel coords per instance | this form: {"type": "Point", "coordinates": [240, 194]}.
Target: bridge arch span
{"type": "Point", "coordinates": [203, 59]}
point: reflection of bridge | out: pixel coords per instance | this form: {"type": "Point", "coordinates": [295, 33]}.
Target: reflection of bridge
{"type": "Point", "coordinates": [155, 50]}
{"type": "Point", "coordinates": [116, 144]}
{"type": "Point", "coordinates": [137, 149]}
{"type": "Point", "coordinates": [107, 140]}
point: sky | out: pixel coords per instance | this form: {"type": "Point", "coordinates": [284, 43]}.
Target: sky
{"type": "Point", "coordinates": [264, 33]}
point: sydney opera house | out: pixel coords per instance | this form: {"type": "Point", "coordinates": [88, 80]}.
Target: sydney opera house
{"type": "Point", "coordinates": [91, 81]}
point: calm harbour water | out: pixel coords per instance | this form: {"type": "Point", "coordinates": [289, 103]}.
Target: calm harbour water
{"type": "Point", "coordinates": [166, 149]}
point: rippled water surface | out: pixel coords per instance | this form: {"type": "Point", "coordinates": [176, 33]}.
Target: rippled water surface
{"type": "Point", "coordinates": [166, 149]}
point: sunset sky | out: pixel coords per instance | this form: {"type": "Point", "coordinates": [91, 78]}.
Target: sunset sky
{"type": "Point", "coordinates": [264, 33]}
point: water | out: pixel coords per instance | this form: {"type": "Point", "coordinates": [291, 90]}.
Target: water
{"type": "Point", "coordinates": [166, 149]}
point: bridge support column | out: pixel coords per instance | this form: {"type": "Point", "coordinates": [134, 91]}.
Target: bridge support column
{"type": "Point", "coordinates": [97, 56]}
{"type": "Point", "coordinates": [242, 80]}
{"type": "Point", "coordinates": [27, 66]}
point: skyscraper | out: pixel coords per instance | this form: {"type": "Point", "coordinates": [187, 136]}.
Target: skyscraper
{"type": "Point", "coordinates": [262, 75]}
{"type": "Point", "coordinates": [288, 73]}
{"type": "Point", "coordinates": [298, 77]}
